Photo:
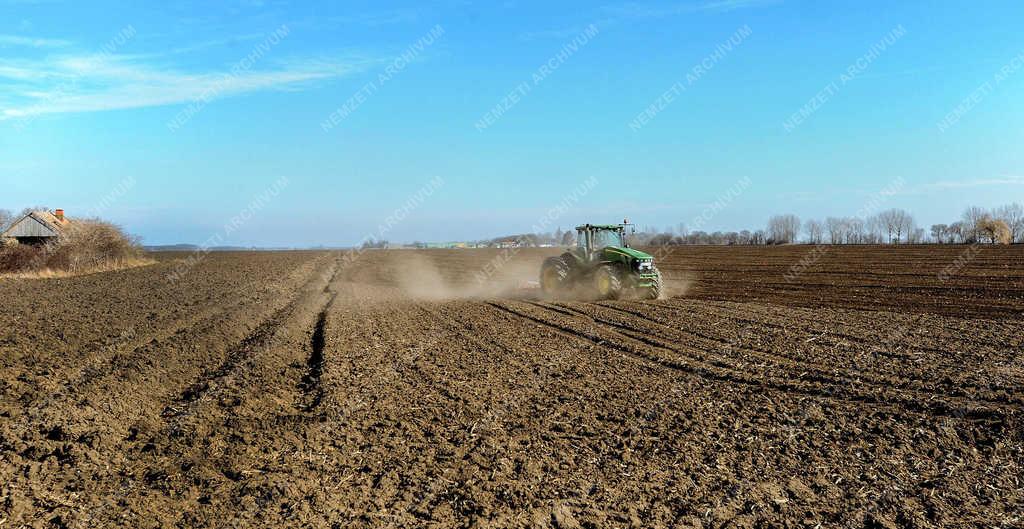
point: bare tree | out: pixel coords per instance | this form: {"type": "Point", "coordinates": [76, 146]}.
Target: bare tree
{"type": "Point", "coordinates": [1013, 216]}
{"type": "Point", "coordinates": [972, 219]}
{"type": "Point", "coordinates": [28, 210]}
{"type": "Point", "coordinates": [896, 223]}
{"type": "Point", "coordinates": [888, 221]}
{"type": "Point", "coordinates": [834, 227]}
{"type": "Point", "coordinates": [815, 231]}
{"type": "Point", "coordinates": [956, 232]}
{"type": "Point", "coordinates": [783, 229]}
{"type": "Point", "coordinates": [375, 244]}
{"type": "Point", "coordinates": [892, 226]}
{"type": "Point", "coordinates": [661, 239]}
{"type": "Point", "coordinates": [906, 226]}
{"type": "Point", "coordinates": [856, 231]}
{"type": "Point", "coordinates": [876, 229]}
{"type": "Point", "coordinates": [6, 218]}
{"type": "Point", "coordinates": [883, 226]}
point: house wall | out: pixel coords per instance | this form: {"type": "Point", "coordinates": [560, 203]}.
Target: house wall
{"type": "Point", "coordinates": [29, 227]}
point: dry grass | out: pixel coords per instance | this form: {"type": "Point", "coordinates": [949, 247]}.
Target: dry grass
{"type": "Point", "coordinates": [110, 266]}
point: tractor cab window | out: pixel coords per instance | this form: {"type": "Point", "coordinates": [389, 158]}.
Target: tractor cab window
{"type": "Point", "coordinates": [581, 240]}
{"type": "Point", "coordinates": [605, 238]}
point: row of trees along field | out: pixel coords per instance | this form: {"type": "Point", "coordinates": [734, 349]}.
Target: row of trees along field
{"type": "Point", "coordinates": [1003, 225]}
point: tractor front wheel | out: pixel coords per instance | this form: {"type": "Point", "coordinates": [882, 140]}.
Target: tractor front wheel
{"type": "Point", "coordinates": [608, 282]}
{"type": "Point", "coordinates": [654, 291]}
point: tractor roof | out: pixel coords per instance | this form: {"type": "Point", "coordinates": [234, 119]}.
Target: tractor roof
{"type": "Point", "coordinates": [600, 227]}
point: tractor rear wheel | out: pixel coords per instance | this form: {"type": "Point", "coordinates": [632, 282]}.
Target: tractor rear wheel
{"type": "Point", "coordinates": [554, 276]}
{"type": "Point", "coordinates": [607, 282]}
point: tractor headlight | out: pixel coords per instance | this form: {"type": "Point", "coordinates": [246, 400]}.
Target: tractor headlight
{"type": "Point", "coordinates": [645, 265]}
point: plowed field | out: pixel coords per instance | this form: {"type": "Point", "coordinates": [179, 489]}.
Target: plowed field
{"type": "Point", "coordinates": [869, 387]}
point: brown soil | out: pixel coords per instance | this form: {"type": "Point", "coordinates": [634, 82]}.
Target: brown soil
{"type": "Point", "coordinates": [423, 389]}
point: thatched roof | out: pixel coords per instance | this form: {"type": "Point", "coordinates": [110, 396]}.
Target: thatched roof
{"type": "Point", "coordinates": [37, 224]}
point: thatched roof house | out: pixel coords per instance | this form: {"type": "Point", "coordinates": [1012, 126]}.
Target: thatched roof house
{"type": "Point", "coordinates": [37, 227]}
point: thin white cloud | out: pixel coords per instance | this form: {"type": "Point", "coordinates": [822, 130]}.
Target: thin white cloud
{"type": "Point", "coordinates": [921, 189]}
{"type": "Point", "coordinates": [639, 10]}
{"type": "Point", "coordinates": [93, 83]}
{"type": "Point", "coordinates": [984, 182]}
{"type": "Point", "coordinates": [31, 42]}
{"type": "Point", "coordinates": [945, 186]}
{"type": "Point", "coordinates": [216, 43]}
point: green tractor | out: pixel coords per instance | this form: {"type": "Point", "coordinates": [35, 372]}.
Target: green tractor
{"type": "Point", "coordinates": [601, 266]}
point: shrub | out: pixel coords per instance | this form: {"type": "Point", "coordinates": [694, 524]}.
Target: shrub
{"type": "Point", "coordinates": [995, 231]}
{"type": "Point", "coordinates": [20, 257]}
{"type": "Point", "coordinates": [85, 245]}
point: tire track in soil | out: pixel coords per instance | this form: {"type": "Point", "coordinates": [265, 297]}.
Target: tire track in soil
{"type": "Point", "coordinates": [174, 459]}
{"type": "Point", "coordinates": [943, 362]}
{"type": "Point", "coordinates": [125, 365]}
{"type": "Point", "coordinates": [822, 376]}
{"type": "Point", "coordinates": [687, 364]}
{"type": "Point", "coordinates": [152, 452]}
{"type": "Point", "coordinates": [312, 391]}
{"type": "Point", "coordinates": [798, 324]}
{"type": "Point", "coordinates": [946, 361]}
{"type": "Point", "coordinates": [210, 383]}
{"type": "Point", "coordinates": [805, 323]}
{"type": "Point", "coordinates": [792, 366]}
{"type": "Point", "coordinates": [386, 373]}
{"type": "Point", "coordinates": [125, 356]}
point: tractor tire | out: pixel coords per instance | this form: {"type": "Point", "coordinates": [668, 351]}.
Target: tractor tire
{"type": "Point", "coordinates": [654, 292]}
{"type": "Point", "coordinates": [607, 282]}
{"type": "Point", "coordinates": [554, 276]}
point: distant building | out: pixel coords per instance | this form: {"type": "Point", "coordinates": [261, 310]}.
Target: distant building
{"type": "Point", "coordinates": [445, 245]}
{"type": "Point", "coordinates": [509, 242]}
{"type": "Point", "coordinates": [38, 227]}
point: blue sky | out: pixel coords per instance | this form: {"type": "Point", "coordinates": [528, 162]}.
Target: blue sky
{"type": "Point", "coordinates": [172, 118]}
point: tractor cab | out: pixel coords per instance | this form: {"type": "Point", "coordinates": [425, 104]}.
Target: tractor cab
{"type": "Point", "coordinates": [592, 238]}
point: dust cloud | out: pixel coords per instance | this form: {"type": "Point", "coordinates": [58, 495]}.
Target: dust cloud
{"type": "Point", "coordinates": [420, 277]}
{"type": "Point", "coordinates": [676, 285]}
